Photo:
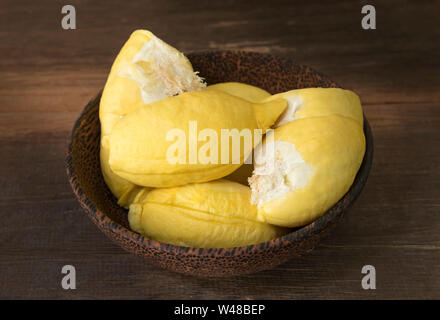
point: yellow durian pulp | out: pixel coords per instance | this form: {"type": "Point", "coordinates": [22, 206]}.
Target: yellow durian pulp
{"type": "Point", "coordinates": [241, 90]}
{"type": "Point", "coordinates": [152, 89]}
{"type": "Point", "coordinates": [216, 214]}
{"type": "Point", "coordinates": [319, 102]}
{"type": "Point", "coordinates": [139, 145]}
{"type": "Point", "coordinates": [329, 151]}
{"type": "Point", "coordinates": [145, 70]}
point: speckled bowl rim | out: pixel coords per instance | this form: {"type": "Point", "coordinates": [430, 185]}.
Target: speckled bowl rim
{"type": "Point", "coordinates": [315, 227]}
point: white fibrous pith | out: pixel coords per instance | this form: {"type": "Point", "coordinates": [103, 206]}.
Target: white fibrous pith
{"type": "Point", "coordinates": [161, 71]}
{"type": "Point", "coordinates": [279, 169]}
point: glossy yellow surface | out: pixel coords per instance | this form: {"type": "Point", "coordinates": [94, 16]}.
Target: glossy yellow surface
{"type": "Point", "coordinates": [320, 102]}
{"type": "Point", "coordinates": [139, 145]}
{"type": "Point", "coordinates": [242, 90]}
{"type": "Point", "coordinates": [124, 92]}
{"type": "Point", "coordinates": [334, 147]}
{"type": "Point", "coordinates": [215, 214]}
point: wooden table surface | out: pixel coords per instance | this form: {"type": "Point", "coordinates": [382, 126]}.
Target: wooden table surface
{"type": "Point", "coordinates": [47, 75]}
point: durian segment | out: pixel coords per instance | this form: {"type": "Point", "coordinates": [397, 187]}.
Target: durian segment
{"type": "Point", "coordinates": [121, 188]}
{"type": "Point", "coordinates": [128, 197]}
{"type": "Point", "coordinates": [319, 102]}
{"type": "Point", "coordinates": [326, 153]}
{"type": "Point", "coordinates": [241, 90]}
{"type": "Point", "coordinates": [216, 214]}
{"type": "Point", "coordinates": [145, 70]}
{"type": "Point", "coordinates": [140, 143]}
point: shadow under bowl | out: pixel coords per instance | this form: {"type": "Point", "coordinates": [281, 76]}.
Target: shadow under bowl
{"type": "Point", "coordinates": [271, 73]}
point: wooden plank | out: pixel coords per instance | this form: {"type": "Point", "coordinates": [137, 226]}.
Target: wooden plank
{"type": "Point", "coordinates": [47, 75]}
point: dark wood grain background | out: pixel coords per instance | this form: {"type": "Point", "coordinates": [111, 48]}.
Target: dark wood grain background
{"type": "Point", "coordinates": [47, 75]}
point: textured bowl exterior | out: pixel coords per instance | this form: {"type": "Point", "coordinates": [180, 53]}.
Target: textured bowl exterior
{"type": "Point", "coordinates": [265, 71]}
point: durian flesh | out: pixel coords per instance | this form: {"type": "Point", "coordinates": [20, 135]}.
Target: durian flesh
{"type": "Point", "coordinates": [216, 214]}
{"type": "Point", "coordinates": [140, 143]}
{"type": "Point", "coordinates": [319, 102]}
{"type": "Point", "coordinates": [316, 151]}
{"type": "Point", "coordinates": [318, 146]}
{"type": "Point", "coordinates": [145, 70]}
{"type": "Point", "coordinates": [241, 90]}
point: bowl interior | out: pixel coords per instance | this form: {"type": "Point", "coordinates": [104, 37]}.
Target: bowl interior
{"type": "Point", "coordinates": [265, 71]}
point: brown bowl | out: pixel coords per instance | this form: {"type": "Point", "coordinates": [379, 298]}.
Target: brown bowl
{"type": "Point", "coordinates": [271, 73]}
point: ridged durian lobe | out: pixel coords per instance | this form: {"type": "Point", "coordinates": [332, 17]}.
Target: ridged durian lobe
{"type": "Point", "coordinates": [215, 214]}
{"type": "Point", "coordinates": [145, 70]}
{"type": "Point", "coordinates": [140, 143]}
